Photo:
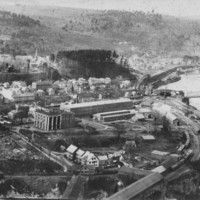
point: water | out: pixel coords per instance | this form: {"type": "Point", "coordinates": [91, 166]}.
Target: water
{"type": "Point", "coordinates": [189, 83]}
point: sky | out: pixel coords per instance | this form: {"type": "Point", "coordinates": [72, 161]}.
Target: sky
{"type": "Point", "coordinates": [181, 8]}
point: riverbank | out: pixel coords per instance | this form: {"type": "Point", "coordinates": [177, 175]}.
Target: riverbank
{"type": "Point", "coordinates": [188, 83]}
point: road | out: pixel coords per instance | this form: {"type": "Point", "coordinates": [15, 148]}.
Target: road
{"type": "Point", "coordinates": [59, 159]}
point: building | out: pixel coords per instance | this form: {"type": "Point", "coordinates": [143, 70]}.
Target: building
{"type": "Point", "coordinates": [112, 118]}
{"type": "Point", "coordinates": [88, 170]}
{"type": "Point", "coordinates": [24, 98]}
{"type": "Point", "coordinates": [71, 151]}
{"type": "Point", "coordinates": [148, 138]}
{"type": "Point", "coordinates": [41, 85]}
{"type": "Point", "coordinates": [90, 108]}
{"type": "Point", "coordinates": [114, 115]}
{"type": "Point", "coordinates": [103, 160]}
{"type": "Point", "coordinates": [159, 155]}
{"type": "Point", "coordinates": [79, 155]}
{"type": "Point", "coordinates": [89, 159]}
{"type": "Point", "coordinates": [173, 119]}
{"type": "Point", "coordinates": [53, 119]}
{"type": "Point", "coordinates": [99, 116]}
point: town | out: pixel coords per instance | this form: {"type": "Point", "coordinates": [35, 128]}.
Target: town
{"type": "Point", "coordinates": [82, 128]}
{"type": "Point", "coordinates": [100, 122]}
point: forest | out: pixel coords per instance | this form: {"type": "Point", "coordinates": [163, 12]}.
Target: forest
{"type": "Point", "coordinates": [91, 63]}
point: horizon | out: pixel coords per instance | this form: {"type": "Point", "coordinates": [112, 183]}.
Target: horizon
{"type": "Point", "coordinates": [177, 8]}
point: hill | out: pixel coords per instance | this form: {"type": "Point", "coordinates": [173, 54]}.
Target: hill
{"type": "Point", "coordinates": [125, 32]}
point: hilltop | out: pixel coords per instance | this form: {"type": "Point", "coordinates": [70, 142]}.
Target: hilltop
{"type": "Point", "coordinates": [125, 32]}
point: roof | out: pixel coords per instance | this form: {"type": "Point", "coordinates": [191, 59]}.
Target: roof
{"type": "Point", "coordinates": [137, 187]}
{"type": "Point", "coordinates": [113, 112]}
{"type": "Point", "coordinates": [49, 112]}
{"type": "Point", "coordinates": [168, 163]}
{"type": "Point", "coordinates": [145, 110]}
{"type": "Point", "coordinates": [118, 153]}
{"type": "Point", "coordinates": [72, 148]}
{"type": "Point", "coordinates": [24, 95]}
{"type": "Point", "coordinates": [43, 83]}
{"type": "Point", "coordinates": [80, 152]}
{"type": "Point", "coordinates": [171, 116]}
{"type": "Point", "coordinates": [103, 158]}
{"type": "Point", "coordinates": [87, 155]}
{"type": "Point", "coordinates": [159, 169]}
{"type": "Point", "coordinates": [96, 103]}
{"type": "Point", "coordinates": [160, 153]}
{"type": "Point", "coordinates": [139, 116]}
{"type": "Point", "coordinates": [118, 115]}
{"type": "Point", "coordinates": [148, 137]}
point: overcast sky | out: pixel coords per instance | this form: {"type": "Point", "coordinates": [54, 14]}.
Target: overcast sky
{"type": "Point", "coordinates": [183, 8]}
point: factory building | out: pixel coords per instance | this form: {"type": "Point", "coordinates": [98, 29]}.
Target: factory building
{"type": "Point", "coordinates": [99, 116]}
{"type": "Point", "coordinates": [41, 85]}
{"type": "Point", "coordinates": [24, 98]}
{"type": "Point", "coordinates": [49, 120]}
{"type": "Point", "coordinates": [90, 108]}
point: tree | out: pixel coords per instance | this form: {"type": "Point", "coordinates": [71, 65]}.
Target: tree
{"type": "Point", "coordinates": [120, 130]}
{"type": "Point", "coordinates": [22, 113]}
{"type": "Point", "coordinates": [52, 57]}
{"type": "Point", "coordinates": [166, 125]}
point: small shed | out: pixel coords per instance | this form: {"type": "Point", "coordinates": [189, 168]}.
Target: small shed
{"type": "Point", "coordinates": [160, 169]}
{"type": "Point", "coordinates": [160, 155]}
{"type": "Point", "coordinates": [148, 137]}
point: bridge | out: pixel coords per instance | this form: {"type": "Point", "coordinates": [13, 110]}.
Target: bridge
{"type": "Point", "coordinates": [152, 185]}
{"type": "Point", "coordinates": [192, 94]}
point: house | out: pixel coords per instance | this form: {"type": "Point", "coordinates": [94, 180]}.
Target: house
{"type": "Point", "coordinates": [138, 117]}
{"type": "Point", "coordinates": [79, 155]}
{"type": "Point", "coordinates": [89, 158]}
{"type": "Point", "coordinates": [146, 112]}
{"type": "Point", "coordinates": [159, 155]}
{"type": "Point", "coordinates": [71, 150]}
{"type": "Point", "coordinates": [88, 170]}
{"type": "Point", "coordinates": [173, 119]}
{"type": "Point", "coordinates": [103, 160]}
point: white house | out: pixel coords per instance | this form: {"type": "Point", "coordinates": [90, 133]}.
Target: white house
{"type": "Point", "coordinates": [71, 150]}
{"type": "Point", "coordinates": [79, 155]}
{"type": "Point", "coordinates": [89, 159]}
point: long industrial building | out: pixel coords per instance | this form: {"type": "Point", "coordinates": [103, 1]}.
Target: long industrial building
{"type": "Point", "coordinates": [114, 115]}
{"type": "Point", "coordinates": [90, 108]}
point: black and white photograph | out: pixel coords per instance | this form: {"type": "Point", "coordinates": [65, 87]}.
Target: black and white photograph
{"type": "Point", "coordinates": [100, 99]}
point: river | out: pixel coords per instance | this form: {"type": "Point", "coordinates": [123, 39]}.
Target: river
{"type": "Point", "coordinates": [189, 82]}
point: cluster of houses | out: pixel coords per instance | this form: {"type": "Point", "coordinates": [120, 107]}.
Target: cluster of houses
{"type": "Point", "coordinates": [19, 90]}
{"type": "Point", "coordinates": [151, 62]}
{"type": "Point", "coordinates": [87, 158]}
